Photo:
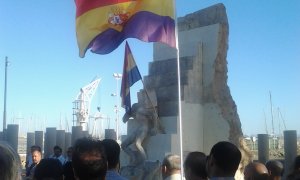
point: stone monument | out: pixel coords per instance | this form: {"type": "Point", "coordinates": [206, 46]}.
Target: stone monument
{"type": "Point", "coordinates": [209, 113]}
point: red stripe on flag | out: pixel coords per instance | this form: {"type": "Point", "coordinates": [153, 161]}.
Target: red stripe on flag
{"type": "Point", "coordinates": [86, 5]}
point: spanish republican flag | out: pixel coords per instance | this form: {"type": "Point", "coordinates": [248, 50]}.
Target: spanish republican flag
{"type": "Point", "coordinates": [131, 75]}
{"type": "Point", "coordinates": [103, 25]}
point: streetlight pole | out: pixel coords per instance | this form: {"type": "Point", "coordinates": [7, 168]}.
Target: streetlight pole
{"type": "Point", "coordinates": [117, 76]}
{"type": "Point", "coordinates": [5, 89]}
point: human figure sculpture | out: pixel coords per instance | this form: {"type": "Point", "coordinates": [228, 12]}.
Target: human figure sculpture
{"type": "Point", "coordinates": [145, 115]}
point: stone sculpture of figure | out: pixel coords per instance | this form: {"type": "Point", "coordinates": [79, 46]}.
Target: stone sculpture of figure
{"type": "Point", "coordinates": [145, 116]}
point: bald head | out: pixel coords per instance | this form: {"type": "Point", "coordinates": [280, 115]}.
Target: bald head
{"type": "Point", "coordinates": [170, 165]}
{"type": "Point", "coordinates": [256, 171]}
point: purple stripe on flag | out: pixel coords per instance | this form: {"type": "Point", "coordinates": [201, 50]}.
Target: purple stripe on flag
{"type": "Point", "coordinates": [151, 28]}
{"type": "Point", "coordinates": [131, 75]}
{"type": "Point", "coordinates": [127, 103]}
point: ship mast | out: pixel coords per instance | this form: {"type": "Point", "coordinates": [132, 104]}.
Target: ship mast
{"type": "Point", "coordinates": [273, 133]}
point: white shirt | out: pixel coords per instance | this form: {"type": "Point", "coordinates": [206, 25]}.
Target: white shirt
{"type": "Point", "coordinates": [174, 177]}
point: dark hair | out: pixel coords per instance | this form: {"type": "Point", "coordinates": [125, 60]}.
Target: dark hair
{"type": "Point", "coordinates": [10, 164]}
{"type": "Point", "coordinates": [275, 168]}
{"type": "Point", "coordinates": [295, 170]}
{"type": "Point", "coordinates": [227, 156]}
{"type": "Point", "coordinates": [294, 175]}
{"type": "Point", "coordinates": [196, 162]}
{"type": "Point", "coordinates": [68, 171]}
{"type": "Point", "coordinates": [112, 149]}
{"type": "Point", "coordinates": [35, 148]}
{"type": "Point", "coordinates": [49, 168]}
{"type": "Point", "coordinates": [89, 159]}
{"type": "Point", "coordinates": [296, 164]}
{"type": "Point", "coordinates": [70, 149]}
{"type": "Point", "coordinates": [57, 148]}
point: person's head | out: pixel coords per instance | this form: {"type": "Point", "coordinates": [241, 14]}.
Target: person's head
{"type": "Point", "coordinates": [112, 149]}
{"type": "Point", "coordinates": [256, 171]}
{"type": "Point", "coordinates": [223, 160]}
{"type": "Point", "coordinates": [36, 156]}
{"type": "Point", "coordinates": [170, 165]}
{"type": "Point", "coordinates": [296, 165]}
{"type": "Point", "coordinates": [194, 166]}
{"type": "Point", "coordinates": [10, 164]}
{"type": "Point", "coordinates": [48, 169]}
{"type": "Point", "coordinates": [89, 159]}
{"type": "Point", "coordinates": [70, 152]}
{"type": "Point", "coordinates": [35, 147]}
{"type": "Point", "coordinates": [275, 169]}
{"type": "Point", "coordinates": [68, 171]}
{"type": "Point", "coordinates": [294, 173]}
{"type": "Point", "coordinates": [57, 151]}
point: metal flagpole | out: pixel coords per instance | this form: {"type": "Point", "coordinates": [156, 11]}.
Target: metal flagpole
{"type": "Point", "coordinates": [179, 92]}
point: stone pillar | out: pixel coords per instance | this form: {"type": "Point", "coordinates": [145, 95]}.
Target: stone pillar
{"type": "Point", "coordinates": [68, 140]}
{"type": "Point", "coordinates": [110, 134]}
{"type": "Point", "coordinates": [12, 135]}
{"type": "Point", "coordinates": [263, 147]}
{"type": "Point", "coordinates": [30, 142]}
{"type": "Point", "coordinates": [85, 133]}
{"type": "Point", "coordinates": [50, 141]}
{"type": "Point", "coordinates": [60, 139]}
{"type": "Point", "coordinates": [2, 136]}
{"type": "Point", "coordinates": [76, 133]}
{"type": "Point", "coordinates": [39, 139]}
{"type": "Point", "coordinates": [290, 148]}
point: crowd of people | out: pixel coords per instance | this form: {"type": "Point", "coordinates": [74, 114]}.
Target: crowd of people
{"type": "Point", "coordinates": [91, 159]}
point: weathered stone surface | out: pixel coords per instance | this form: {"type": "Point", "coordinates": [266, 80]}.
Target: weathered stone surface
{"type": "Point", "coordinates": [214, 72]}
{"type": "Point", "coordinates": [170, 65]}
{"type": "Point", "coordinates": [209, 113]}
{"type": "Point", "coordinates": [168, 79]}
{"type": "Point", "coordinates": [164, 73]}
{"type": "Point", "coordinates": [169, 108]}
{"type": "Point", "coordinates": [212, 15]}
{"type": "Point", "coordinates": [168, 93]}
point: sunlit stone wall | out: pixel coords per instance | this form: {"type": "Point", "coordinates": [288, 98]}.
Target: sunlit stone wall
{"type": "Point", "coordinates": [209, 114]}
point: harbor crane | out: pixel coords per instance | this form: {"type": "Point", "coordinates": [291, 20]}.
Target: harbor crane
{"type": "Point", "coordinates": [82, 103]}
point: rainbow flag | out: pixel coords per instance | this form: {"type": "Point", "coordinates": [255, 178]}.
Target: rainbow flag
{"type": "Point", "coordinates": [102, 25]}
{"type": "Point", "coordinates": [131, 74]}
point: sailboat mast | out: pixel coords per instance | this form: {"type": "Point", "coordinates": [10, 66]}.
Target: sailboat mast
{"type": "Point", "coordinates": [272, 114]}
{"type": "Point", "coordinates": [282, 119]}
{"type": "Point", "coordinates": [266, 126]}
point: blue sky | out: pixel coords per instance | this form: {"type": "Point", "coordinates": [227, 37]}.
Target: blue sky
{"type": "Point", "coordinates": [46, 73]}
